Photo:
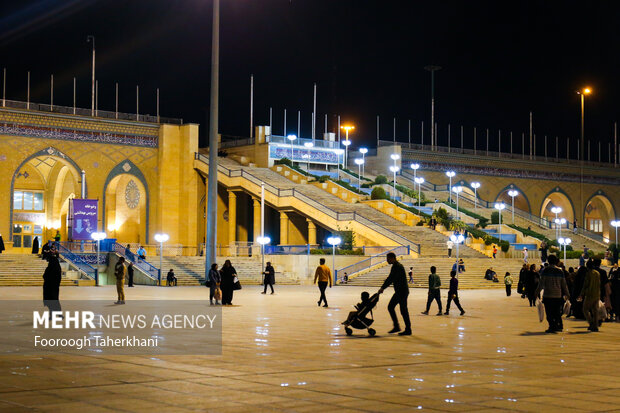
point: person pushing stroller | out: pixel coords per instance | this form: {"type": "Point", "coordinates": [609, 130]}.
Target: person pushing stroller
{"type": "Point", "coordinates": [398, 277]}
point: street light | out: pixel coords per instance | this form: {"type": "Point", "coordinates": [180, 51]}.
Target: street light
{"type": "Point", "coordinates": [338, 152]}
{"type": "Point", "coordinates": [475, 185]}
{"type": "Point", "coordinates": [263, 240]}
{"type": "Point", "coordinates": [333, 241]}
{"type": "Point", "coordinates": [359, 162]}
{"type": "Point", "coordinates": [499, 206]}
{"type": "Point", "coordinates": [97, 236]}
{"type": "Point", "coordinates": [616, 224]}
{"type": "Point", "coordinates": [560, 222]}
{"type": "Point", "coordinates": [394, 169]}
{"type": "Point", "coordinates": [346, 142]}
{"type": "Point", "coordinates": [512, 193]}
{"type": "Point", "coordinates": [419, 181]}
{"type": "Point", "coordinates": [564, 242]}
{"type": "Point", "coordinates": [457, 190]}
{"type": "Point", "coordinates": [292, 139]}
{"type": "Point", "coordinates": [450, 174]}
{"type": "Point", "coordinates": [415, 167]}
{"type": "Point", "coordinates": [457, 239]}
{"type": "Point", "coordinates": [585, 91]}
{"type": "Point", "coordinates": [363, 151]}
{"type": "Point", "coordinates": [556, 210]}
{"type": "Point", "coordinates": [308, 146]}
{"type": "Point", "coordinates": [161, 238]}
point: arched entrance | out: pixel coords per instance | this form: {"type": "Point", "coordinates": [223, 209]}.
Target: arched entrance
{"type": "Point", "coordinates": [521, 200]}
{"type": "Point", "coordinates": [598, 214]}
{"type": "Point", "coordinates": [557, 198]}
{"type": "Point", "coordinates": [125, 204]}
{"type": "Point", "coordinates": [40, 190]}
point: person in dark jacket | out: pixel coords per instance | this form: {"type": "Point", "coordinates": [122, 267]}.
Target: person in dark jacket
{"type": "Point", "coordinates": [130, 274]}
{"type": "Point", "coordinates": [434, 282]}
{"type": "Point", "coordinates": [576, 305]}
{"type": "Point", "coordinates": [555, 293]}
{"type": "Point", "coordinates": [35, 245]}
{"type": "Point", "coordinates": [1, 244]}
{"type": "Point", "coordinates": [46, 250]}
{"type": "Point", "coordinates": [398, 277]}
{"type": "Point", "coordinates": [228, 274]}
{"type": "Point", "coordinates": [269, 277]}
{"type": "Point", "coordinates": [521, 282]}
{"type": "Point", "coordinates": [531, 283]}
{"type": "Point", "coordinates": [614, 279]}
{"type": "Point", "coordinates": [171, 278]}
{"type": "Point", "coordinates": [453, 293]}
{"type": "Point", "coordinates": [543, 251]}
{"type": "Point", "coordinates": [214, 282]}
{"type": "Point", "coordinates": [51, 285]}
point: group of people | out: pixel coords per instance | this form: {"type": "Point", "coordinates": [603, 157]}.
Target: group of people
{"type": "Point", "coordinates": [222, 283]}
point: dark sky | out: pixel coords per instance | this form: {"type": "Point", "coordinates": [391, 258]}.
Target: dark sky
{"type": "Point", "coordinates": [500, 60]}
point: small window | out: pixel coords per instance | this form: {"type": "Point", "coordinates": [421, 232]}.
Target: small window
{"type": "Point", "coordinates": [17, 199]}
{"type": "Point", "coordinates": [38, 201]}
{"type": "Point", "coordinates": [596, 225]}
{"type": "Point", "coordinates": [28, 201]}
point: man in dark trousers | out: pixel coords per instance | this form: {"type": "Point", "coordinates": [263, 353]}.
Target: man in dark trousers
{"type": "Point", "coordinates": [130, 274]}
{"type": "Point", "coordinates": [453, 293]}
{"type": "Point", "coordinates": [553, 283]}
{"type": "Point", "coordinates": [398, 277]}
{"type": "Point", "coordinates": [434, 282]}
{"type": "Point", "coordinates": [270, 277]}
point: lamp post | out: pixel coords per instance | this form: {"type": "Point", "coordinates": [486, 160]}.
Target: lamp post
{"type": "Point", "coordinates": [616, 224]}
{"type": "Point", "coordinates": [345, 161]}
{"type": "Point", "coordinates": [394, 169]}
{"type": "Point", "coordinates": [556, 211]}
{"type": "Point", "coordinates": [457, 239]}
{"type": "Point", "coordinates": [359, 162]}
{"type": "Point", "coordinates": [161, 238]}
{"type": "Point", "coordinates": [475, 185]}
{"type": "Point", "coordinates": [308, 146]}
{"type": "Point", "coordinates": [559, 222]}
{"type": "Point", "coordinates": [499, 206]}
{"type": "Point", "coordinates": [363, 151]}
{"type": "Point", "coordinates": [338, 152]}
{"type": "Point", "coordinates": [262, 240]}
{"type": "Point", "coordinates": [333, 241]}
{"type": "Point", "coordinates": [512, 193]}
{"type": "Point", "coordinates": [415, 167]}
{"type": "Point", "coordinates": [582, 93]}
{"type": "Point", "coordinates": [346, 142]}
{"type": "Point", "coordinates": [564, 242]}
{"type": "Point", "coordinates": [97, 236]}
{"type": "Point", "coordinates": [432, 69]}
{"type": "Point", "coordinates": [419, 181]}
{"type": "Point", "coordinates": [457, 190]}
{"type": "Point", "coordinates": [450, 175]}
{"type": "Point", "coordinates": [292, 139]}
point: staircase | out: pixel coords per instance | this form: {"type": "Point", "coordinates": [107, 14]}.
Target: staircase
{"type": "Point", "coordinates": [191, 270]}
{"type": "Point", "coordinates": [472, 278]}
{"type": "Point", "coordinates": [26, 270]}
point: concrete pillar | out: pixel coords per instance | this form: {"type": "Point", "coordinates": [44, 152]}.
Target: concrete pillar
{"type": "Point", "coordinates": [256, 206]}
{"type": "Point", "coordinates": [283, 228]}
{"type": "Point", "coordinates": [232, 217]}
{"type": "Point", "coordinates": [311, 232]}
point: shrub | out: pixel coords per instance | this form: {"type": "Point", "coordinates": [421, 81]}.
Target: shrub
{"type": "Point", "coordinates": [414, 211]}
{"type": "Point", "coordinates": [410, 192]}
{"type": "Point", "coordinates": [350, 172]}
{"type": "Point", "coordinates": [381, 179]}
{"type": "Point", "coordinates": [367, 184]}
{"type": "Point", "coordinates": [378, 193]}
{"type": "Point", "coordinates": [323, 178]}
{"type": "Point", "coordinates": [504, 245]}
{"type": "Point", "coordinates": [283, 161]}
{"type": "Point", "coordinates": [482, 221]}
{"type": "Point", "coordinates": [534, 234]}
{"type": "Point", "coordinates": [349, 187]}
{"type": "Point", "coordinates": [494, 217]}
{"type": "Point", "coordinates": [443, 217]}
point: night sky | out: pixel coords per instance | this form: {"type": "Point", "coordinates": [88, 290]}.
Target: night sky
{"type": "Point", "coordinates": [500, 60]}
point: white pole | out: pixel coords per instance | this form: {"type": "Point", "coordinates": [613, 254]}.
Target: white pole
{"type": "Point", "coordinates": [334, 257]}
{"type": "Point", "coordinates": [74, 87]}
{"type": "Point", "coordinates": [314, 116]}
{"type": "Point", "coordinates": [52, 93]}
{"type": "Point", "coordinates": [513, 209]}
{"type": "Point", "coordinates": [4, 87]}
{"type": "Point", "coordinates": [500, 224]}
{"type": "Point", "coordinates": [137, 102]}
{"type": "Point", "coordinates": [262, 209]}
{"type": "Point", "coordinates": [284, 134]}
{"type": "Point", "coordinates": [116, 100]}
{"type": "Point", "coordinates": [28, 93]}
{"type": "Point", "coordinates": [251, 106]}
{"type": "Point", "coordinates": [457, 205]}
{"type": "Point", "coordinates": [299, 123]}
{"type": "Point", "coordinates": [161, 258]}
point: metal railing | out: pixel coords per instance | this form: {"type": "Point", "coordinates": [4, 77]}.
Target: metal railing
{"type": "Point", "coordinates": [141, 265]}
{"type": "Point", "coordinates": [69, 110]}
{"type": "Point", "coordinates": [291, 192]}
{"type": "Point", "coordinates": [372, 261]}
{"type": "Point", "coordinates": [78, 262]}
{"type": "Point", "coordinates": [299, 142]}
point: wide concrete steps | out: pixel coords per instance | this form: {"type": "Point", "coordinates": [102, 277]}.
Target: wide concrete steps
{"type": "Point", "coordinates": [27, 270]}
{"type": "Point", "coordinates": [472, 278]}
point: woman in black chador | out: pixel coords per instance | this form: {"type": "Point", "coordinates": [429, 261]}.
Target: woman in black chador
{"type": "Point", "coordinates": [51, 284]}
{"type": "Point", "coordinates": [228, 273]}
{"type": "Point", "coordinates": [35, 245]}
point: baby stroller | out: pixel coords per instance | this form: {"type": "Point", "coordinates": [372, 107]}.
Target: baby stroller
{"type": "Point", "coordinates": [358, 319]}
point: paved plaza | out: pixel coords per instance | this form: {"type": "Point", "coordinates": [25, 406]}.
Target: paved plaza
{"type": "Point", "coordinates": [283, 353]}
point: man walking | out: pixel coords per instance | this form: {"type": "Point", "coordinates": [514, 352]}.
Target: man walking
{"type": "Point", "coordinates": [398, 277]}
{"type": "Point", "coordinates": [450, 245]}
{"type": "Point", "coordinates": [270, 277]}
{"type": "Point", "coordinates": [119, 273]}
{"type": "Point", "coordinates": [324, 276]}
{"type": "Point", "coordinates": [453, 294]}
{"type": "Point", "coordinates": [130, 274]}
{"type": "Point", "coordinates": [553, 283]}
{"type": "Point", "coordinates": [591, 295]}
{"type": "Point", "coordinates": [434, 282]}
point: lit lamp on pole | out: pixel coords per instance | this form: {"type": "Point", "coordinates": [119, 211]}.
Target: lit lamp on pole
{"type": "Point", "coordinates": [415, 167]}
{"type": "Point", "coordinates": [291, 138]}
{"type": "Point", "coordinates": [308, 146]}
{"type": "Point", "coordinates": [457, 239]}
{"type": "Point", "coordinates": [263, 240]}
{"type": "Point", "coordinates": [556, 210]}
{"type": "Point", "coordinates": [475, 185]}
{"type": "Point", "coordinates": [346, 142]}
{"type": "Point", "coordinates": [161, 238]}
{"type": "Point", "coordinates": [334, 241]}
{"type": "Point", "coordinates": [585, 91]}
{"type": "Point", "coordinates": [616, 224]}
{"type": "Point", "coordinates": [500, 206]}
{"type": "Point", "coordinates": [359, 162]}
{"type": "Point", "coordinates": [394, 169]}
{"type": "Point", "coordinates": [512, 193]}
{"type": "Point", "coordinates": [450, 175]}
{"type": "Point", "coordinates": [564, 242]}
{"type": "Point", "coordinates": [457, 190]}
{"type": "Point", "coordinates": [97, 236]}
{"type": "Point", "coordinates": [338, 153]}
{"type": "Point", "coordinates": [559, 223]}
{"type": "Point", "coordinates": [363, 151]}
{"type": "Point", "coordinates": [419, 180]}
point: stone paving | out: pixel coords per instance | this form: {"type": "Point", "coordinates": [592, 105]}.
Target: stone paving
{"type": "Point", "coordinates": [283, 353]}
